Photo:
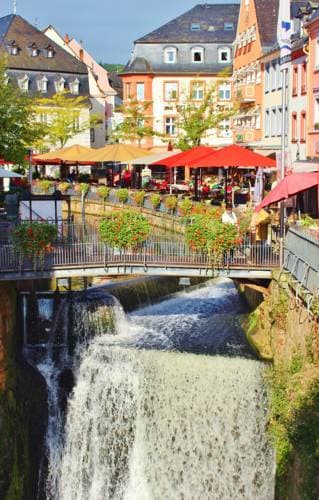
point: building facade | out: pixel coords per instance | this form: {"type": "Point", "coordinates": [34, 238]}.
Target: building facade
{"type": "Point", "coordinates": [181, 61]}
{"type": "Point", "coordinates": [39, 66]}
{"type": "Point", "coordinates": [313, 87]}
{"type": "Point", "coordinates": [102, 95]}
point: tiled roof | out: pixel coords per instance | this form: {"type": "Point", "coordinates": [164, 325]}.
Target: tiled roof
{"type": "Point", "coordinates": [182, 68]}
{"type": "Point", "coordinates": [209, 17]}
{"type": "Point", "coordinates": [16, 29]}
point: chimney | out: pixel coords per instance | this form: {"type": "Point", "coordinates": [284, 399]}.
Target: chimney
{"type": "Point", "coordinates": [66, 38]}
{"type": "Point", "coordinates": [81, 54]}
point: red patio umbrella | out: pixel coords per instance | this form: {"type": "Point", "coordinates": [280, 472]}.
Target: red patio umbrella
{"type": "Point", "coordinates": [289, 186]}
{"type": "Point", "coordinates": [185, 157]}
{"type": "Point", "coordinates": [232, 156]}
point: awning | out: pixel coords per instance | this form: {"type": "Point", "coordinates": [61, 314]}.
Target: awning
{"type": "Point", "coordinates": [153, 159]}
{"type": "Point", "coordinates": [234, 156]}
{"type": "Point", "coordinates": [7, 174]}
{"type": "Point", "coordinates": [292, 184]}
{"type": "Point", "coordinates": [186, 157]}
{"type": "Point", "coordinates": [71, 154]}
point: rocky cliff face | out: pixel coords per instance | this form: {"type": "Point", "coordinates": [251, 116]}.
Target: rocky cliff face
{"type": "Point", "coordinates": [22, 408]}
{"type": "Point", "coordinates": [284, 332]}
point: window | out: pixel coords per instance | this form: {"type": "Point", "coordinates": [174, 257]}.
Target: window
{"type": "Point", "coordinates": [128, 88]}
{"type": "Point", "coordinates": [224, 92]}
{"type": "Point", "coordinates": [14, 50]}
{"type": "Point", "coordinates": [295, 81]}
{"type": "Point", "coordinates": [228, 26]}
{"type": "Point", "coordinates": [170, 125]}
{"type": "Point", "coordinates": [224, 128]}
{"type": "Point", "coordinates": [140, 91]}
{"type": "Point", "coordinates": [267, 123]}
{"type": "Point", "coordinates": [273, 77]}
{"type": "Point", "coordinates": [76, 123]}
{"type": "Point", "coordinates": [197, 91]}
{"type": "Point", "coordinates": [59, 85]}
{"type": "Point", "coordinates": [34, 52]}
{"type": "Point", "coordinates": [43, 85]}
{"type": "Point", "coordinates": [75, 86]}
{"type": "Point", "coordinates": [50, 52]}
{"type": "Point", "coordinates": [294, 127]}
{"type": "Point", "coordinates": [317, 55]}
{"type": "Point", "coordinates": [279, 120]}
{"type": "Point", "coordinates": [92, 135]}
{"type": "Point", "coordinates": [303, 126]}
{"type": "Point", "coordinates": [170, 55]}
{"type": "Point", "coordinates": [273, 122]}
{"type": "Point", "coordinates": [224, 55]}
{"type": "Point", "coordinates": [267, 78]}
{"type": "Point", "coordinates": [170, 91]}
{"type": "Point", "coordinates": [195, 27]}
{"type": "Point", "coordinates": [197, 54]}
{"type": "Point", "coordinates": [304, 78]}
{"type": "Point", "coordinates": [24, 83]}
{"type": "Point", "coordinates": [43, 118]}
{"type": "Point", "coordinates": [316, 113]}
{"type": "Point", "coordinates": [278, 76]}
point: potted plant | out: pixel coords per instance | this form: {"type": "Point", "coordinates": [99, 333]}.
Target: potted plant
{"type": "Point", "coordinates": [170, 203]}
{"type": "Point", "coordinates": [124, 229]}
{"type": "Point", "coordinates": [33, 240]}
{"type": "Point", "coordinates": [138, 198]}
{"type": "Point", "coordinates": [122, 195]}
{"type": "Point", "coordinates": [155, 200]}
{"type": "Point", "coordinates": [103, 192]}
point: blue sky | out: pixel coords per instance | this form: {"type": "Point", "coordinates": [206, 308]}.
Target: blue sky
{"type": "Point", "coordinates": [107, 28]}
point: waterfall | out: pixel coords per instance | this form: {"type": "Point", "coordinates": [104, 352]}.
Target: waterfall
{"type": "Point", "coordinates": [150, 420]}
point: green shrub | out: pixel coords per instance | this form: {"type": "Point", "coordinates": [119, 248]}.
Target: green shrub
{"type": "Point", "coordinates": [126, 229]}
{"type": "Point", "coordinates": [155, 200]}
{"type": "Point", "coordinates": [185, 207]}
{"type": "Point", "coordinates": [84, 188]}
{"type": "Point", "coordinates": [103, 192]}
{"type": "Point", "coordinates": [64, 187]}
{"type": "Point", "coordinates": [44, 185]}
{"type": "Point", "coordinates": [170, 203]}
{"type": "Point", "coordinates": [138, 198]}
{"type": "Point", "coordinates": [122, 195]}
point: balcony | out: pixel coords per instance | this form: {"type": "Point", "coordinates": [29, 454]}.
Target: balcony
{"type": "Point", "coordinates": [246, 93]}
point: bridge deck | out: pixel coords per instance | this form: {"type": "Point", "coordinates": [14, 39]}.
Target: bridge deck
{"type": "Point", "coordinates": [156, 256]}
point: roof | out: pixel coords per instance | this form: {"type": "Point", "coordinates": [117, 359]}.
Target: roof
{"type": "Point", "coordinates": [15, 29]}
{"type": "Point", "coordinates": [267, 17]}
{"type": "Point", "coordinates": [153, 158]}
{"type": "Point", "coordinates": [315, 15]}
{"type": "Point", "coordinates": [209, 17]}
{"type": "Point", "coordinates": [184, 68]}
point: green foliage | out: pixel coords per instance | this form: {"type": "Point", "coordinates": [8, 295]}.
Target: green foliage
{"type": "Point", "coordinates": [211, 236]}
{"type": "Point", "coordinates": [122, 195]}
{"type": "Point", "coordinates": [170, 203]}
{"type": "Point", "coordinates": [196, 117]}
{"type": "Point", "coordinates": [64, 187]}
{"type": "Point", "coordinates": [18, 128]}
{"type": "Point", "coordinates": [185, 207]}
{"type": "Point", "coordinates": [135, 126]}
{"type": "Point", "coordinates": [155, 200]}
{"type": "Point", "coordinates": [126, 229]}
{"type": "Point", "coordinates": [84, 188]}
{"type": "Point", "coordinates": [44, 185]}
{"type": "Point", "coordinates": [64, 113]}
{"type": "Point", "coordinates": [103, 192]}
{"type": "Point", "coordinates": [307, 221]}
{"type": "Point", "coordinates": [113, 68]}
{"type": "Point", "coordinates": [138, 198]}
{"type": "Point", "coordinates": [34, 239]}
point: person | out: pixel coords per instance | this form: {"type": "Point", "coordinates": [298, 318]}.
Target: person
{"type": "Point", "coordinates": [229, 217]}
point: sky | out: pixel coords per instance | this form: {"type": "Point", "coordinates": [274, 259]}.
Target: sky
{"type": "Point", "coordinates": [107, 28]}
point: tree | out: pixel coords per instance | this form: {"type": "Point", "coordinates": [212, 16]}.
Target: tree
{"type": "Point", "coordinates": [196, 117]}
{"type": "Point", "coordinates": [135, 125]}
{"type": "Point", "coordinates": [18, 127]}
{"type": "Point", "coordinates": [64, 118]}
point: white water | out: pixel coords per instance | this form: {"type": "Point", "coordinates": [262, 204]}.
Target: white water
{"type": "Point", "coordinates": [146, 422]}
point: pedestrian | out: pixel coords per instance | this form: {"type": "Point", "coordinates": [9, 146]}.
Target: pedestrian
{"type": "Point", "coordinates": [229, 216]}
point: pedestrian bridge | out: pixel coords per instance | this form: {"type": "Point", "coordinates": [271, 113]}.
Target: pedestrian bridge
{"type": "Point", "coordinates": [160, 255]}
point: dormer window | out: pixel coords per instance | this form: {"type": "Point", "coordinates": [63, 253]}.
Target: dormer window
{"type": "Point", "coordinates": [59, 84]}
{"type": "Point", "coordinates": [50, 51]}
{"type": "Point", "coordinates": [224, 55]}
{"type": "Point", "coordinates": [34, 51]}
{"type": "Point", "coordinates": [228, 26]}
{"type": "Point", "coordinates": [23, 82]}
{"type": "Point", "coordinates": [197, 54]}
{"type": "Point", "coordinates": [170, 55]}
{"type": "Point", "coordinates": [43, 84]}
{"type": "Point", "coordinates": [13, 48]}
{"type": "Point", "coordinates": [75, 86]}
{"type": "Point", "coordinates": [195, 27]}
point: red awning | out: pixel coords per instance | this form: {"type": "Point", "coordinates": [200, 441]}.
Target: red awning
{"type": "Point", "coordinates": [289, 186]}
{"type": "Point", "coordinates": [233, 156]}
{"type": "Point", "coordinates": [185, 157]}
